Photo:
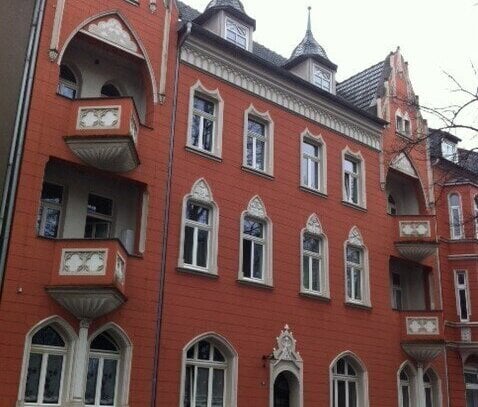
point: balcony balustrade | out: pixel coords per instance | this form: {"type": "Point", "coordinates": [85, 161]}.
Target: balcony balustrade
{"type": "Point", "coordinates": [104, 132]}
{"type": "Point", "coordinates": [88, 276]}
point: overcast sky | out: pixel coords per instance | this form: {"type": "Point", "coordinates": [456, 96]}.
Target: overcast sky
{"type": "Point", "coordinates": [434, 36]}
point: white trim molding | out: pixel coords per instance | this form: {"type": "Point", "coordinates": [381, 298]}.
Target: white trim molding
{"type": "Point", "coordinates": [306, 104]}
{"type": "Point", "coordinates": [307, 137]}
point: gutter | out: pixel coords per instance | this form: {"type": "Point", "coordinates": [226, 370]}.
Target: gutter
{"type": "Point", "coordinates": [18, 140]}
{"type": "Point", "coordinates": [162, 272]}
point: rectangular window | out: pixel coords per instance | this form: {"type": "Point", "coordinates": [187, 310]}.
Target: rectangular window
{"type": "Point", "coordinates": [197, 231]}
{"type": "Point", "coordinates": [354, 273]}
{"type": "Point", "coordinates": [448, 150]}
{"type": "Point", "coordinates": [312, 264]}
{"type": "Point", "coordinates": [397, 299]}
{"type": "Point", "coordinates": [203, 124]}
{"type": "Point", "coordinates": [99, 217]}
{"type": "Point", "coordinates": [253, 249]}
{"type": "Point", "coordinates": [256, 145]}
{"type": "Point", "coordinates": [399, 124]}
{"type": "Point", "coordinates": [312, 165]}
{"type": "Point", "coordinates": [462, 295]}
{"type": "Point", "coordinates": [49, 216]}
{"type": "Point", "coordinates": [237, 33]}
{"type": "Point", "coordinates": [322, 78]}
{"type": "Point", "coordinates": [352, 181]}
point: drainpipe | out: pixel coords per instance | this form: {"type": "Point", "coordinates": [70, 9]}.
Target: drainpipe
{"type": "Point", "coordinates": [162, 273]}
{"type": "Point", "coordinates": [16, 149]}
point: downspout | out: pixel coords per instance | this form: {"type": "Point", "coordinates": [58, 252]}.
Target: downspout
{"type": "Point", "coordinates": [162, 274]}
{"type": "Point", "coordinates": [16, 149]}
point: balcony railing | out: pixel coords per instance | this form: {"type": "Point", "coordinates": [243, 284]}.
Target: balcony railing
{"type": "Point", "coordinates": [104, 133]}
{"type": "Point", "coordinates": [416, 236]}
{"type": "Point", "coordinates": [88, 276]}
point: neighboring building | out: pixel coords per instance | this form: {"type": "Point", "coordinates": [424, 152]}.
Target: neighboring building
{"type": "Point", "coordinates": [202, 222]}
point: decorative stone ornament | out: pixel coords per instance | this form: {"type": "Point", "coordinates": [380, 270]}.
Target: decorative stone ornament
{"type": "Point", "coordinates": [256, 207]}
{"type": "Point", "coordinates": [114, 32]}
{"type": "Point", "coordinates": [313, 225]}
{"type": "Point", "coordinates": [201, 191]}
{"type": "Point", "coordinates": [286, 347]}
{"type": "Point", "coordinates": [402, 163]}
{"type": "Point", "coordinates": [355, 237]}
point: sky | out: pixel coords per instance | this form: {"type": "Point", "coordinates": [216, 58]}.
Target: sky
{"type": "Point", "coordinates": [436, 37]}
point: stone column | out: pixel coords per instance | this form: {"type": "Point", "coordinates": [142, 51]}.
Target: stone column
{"type": "Point", "coordinates": [420, 386]}
{"type": "Point", "coordinates": [80, 364]}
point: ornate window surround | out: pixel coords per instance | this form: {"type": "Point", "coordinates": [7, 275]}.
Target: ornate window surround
{"type": "Point", "coordinates": [214, 96]}
{"type": "Point", "coordinates": [257, 210]}
{"type": "Point", "coordinates": [314, 228]}
{"type": "Point", "coordinates": [362, 176]}
{"type": "Point", "coordinates": [231, 377]}
{"type": "Point", "coordinates": [201, 193]}
{"type": "Point", "coordinates": [362, 388]}
{"type": "Point", "coordinates": [266, 119]}
{"type": "Point", "coordinates": [307, 137]}
{"type": "Point", "coordinates": [355, 240]}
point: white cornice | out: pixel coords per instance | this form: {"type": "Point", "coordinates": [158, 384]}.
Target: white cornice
{"type": "Point", "coordinates": [284, 94]}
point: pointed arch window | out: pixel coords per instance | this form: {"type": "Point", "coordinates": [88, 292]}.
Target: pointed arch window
{"type": "Point", "coordinates": [406, 386]}
{"type": "Point", "coordinates": [456, 216]}
{"type": "Point", "coordinates": [357, 286]}
{"type": "Point", "coordinates": [348, 384]}
{"type": "Point", "coordinates": [68, 85]}
{"type": "Point", "coordinates": [353, 178]}
{"type": "Point", "coordinates": [314, 259]}
{"type": "Point", "coordinates": [431, 389]}
{"type": "Point", "coordinates": [256, 244]}
{"type": "Point", "coordinates": [199, 232]}
{"type": "Point", "coordinates": [313, 162]}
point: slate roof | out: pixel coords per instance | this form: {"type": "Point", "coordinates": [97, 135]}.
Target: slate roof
{"type": "Point", "coordinates": [362, 88]}
{"type": "Point", "coordinates": [224, 3]}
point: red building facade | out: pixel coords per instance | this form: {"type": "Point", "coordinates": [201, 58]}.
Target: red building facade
{"type": "Point", "coordinates": [207, 223]}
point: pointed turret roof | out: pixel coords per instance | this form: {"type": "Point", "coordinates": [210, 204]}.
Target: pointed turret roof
{"type": "Point", "coordinates": [309, 45]}
{"type": "Point", "coordinates": [227, 3]}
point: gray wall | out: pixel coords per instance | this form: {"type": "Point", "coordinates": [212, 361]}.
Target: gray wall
{"type": "Point", "coordinates": [16, 18]}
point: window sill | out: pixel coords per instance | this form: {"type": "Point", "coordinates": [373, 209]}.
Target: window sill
{"type": "Point", "coordinates": [313, 296]}
{"type": "Point", "coordinates": [204, 154]}
{"type": "Point", "coordinates": [201, 273]}
{"type": "Point", "coordinates": [258, 172]}
{"type": "Point", "coordinates": [313, 191]}
{"type": "Point", "coordinates": [404, 135]}
{"type": "Point", "coordinates": [354, 206]}
{"type": "Point", "coordinates": [358, 305]}
{"type": "Point", "coordinates": [256, 284]}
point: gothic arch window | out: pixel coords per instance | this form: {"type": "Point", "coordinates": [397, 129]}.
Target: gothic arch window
{"type": "Point", "coordinates": [313, 174]}
{"type": "Point", "coordinates": [357, 282]}
{"type": "Point", "coordinates": [456, 216]}
{"type": "Point", "coordinates": [349, 382]}
{"type": "Point", "coordinates": [47, 362]}
{"type": "Point", "coordinates": [209, 373]}
{"type": "Point", "coordinates": [109, 364]}
{"type": "Point", "coordinates": [198, 245]}
{"type": "Point", "coordinates": [255, 258]}
{"type": "Point", "coordinates": [108, 90]}
{"type": "Point", "coordinates": [68, 84]}
{"type": "Point", "coordinates": [314, 259]}
{"type": "Point", "coordinates": [475, 214]}
{"type": "Point", "coordinates": [353, 178]}
{"type": "Point", "coordinates": [406, 385]}
{"type": "Point", "coordinates": [431, 388]}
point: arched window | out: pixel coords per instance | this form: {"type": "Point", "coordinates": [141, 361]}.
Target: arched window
{"type": "Point", "coordinates": [110, 91]}
{"type": "Point", "coordinates": [456, 216]}
{"type": "Point", "coordinates": [68, 83]}
{"type": "Point", "coordinates": [404, 389]}
{"type": "Point", "coordinates": [348, 387]}
{"type": "Point", "coordinates": [314, 259]}
{"type": "Point", "coordinates": [198, 250]}
{"type": "Point", "coordinates": [102, 376]}
{"type": "Point", "coordinates": [209, 376]}
{"type": "Point", "coordinates": [431, 389]}
{"type": "Point", "coordinates": [406, 386]}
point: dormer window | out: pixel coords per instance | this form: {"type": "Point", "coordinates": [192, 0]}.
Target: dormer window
{"type": "Point", "coordinates": [448, 150]}
{"type": "Point", "coordinates": [237, 33]}
{"type": "Point", "coordinates": [322, 78]}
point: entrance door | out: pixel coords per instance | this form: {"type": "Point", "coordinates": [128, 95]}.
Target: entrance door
{"type": "Point", "coordinates": [281, 391]}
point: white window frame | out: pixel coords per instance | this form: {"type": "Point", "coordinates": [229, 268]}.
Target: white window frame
{"type": "Point", "coordinates": [110, 219]}
{"type": "Point", "coordinates": [362, 379]}
{"type": "Point", "coordinates": [214, 96]}
{"type": "Point", "coordinates": [102, 356]}
{"type": "Point", "coordinates": [451, 155]}
{"type": "Point", "coordinates": [319, 80]}
{"type": "Point", "coordinates": [451, 216]}
{"type": "Point", "coordinates": [256, 211]}
{"type": "Point", "coordinates": [314, 229]}
{"type": "Point", "coordinates": [411, 373]}
{"type": "Point", "coordinates": [231, 22]}
{"type": "Point", "coordinates": [201, 195]}
{"type": "Point", "coordinates": [355, 240]}
{"type": "Point", "coordinates": [265, 119]}
{"type": "Point", "coordinates": [231, 367]}
{"type": "Point", "coordinates": [348, 154]}
{"type": "Point", "coordinates": [321, 161]}
{"type": "Point", "coordinates": [462, 287]}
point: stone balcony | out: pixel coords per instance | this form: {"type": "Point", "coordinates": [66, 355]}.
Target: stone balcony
{"type": "Point", "coordinates": [103, 133]}
{"type": "Point", "coordinates": [416, 239]}
{"type": "Point", "coordinates": [422, 334]}
{"type": "Point", "coordinates": [88, 276]}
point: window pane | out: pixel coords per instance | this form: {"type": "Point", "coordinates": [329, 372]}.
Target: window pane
{"type": "Point", "coordinates": [312, 244]}
{"type": "Point", "coordinates": [104, 342]}
{"type": "Point", "coordinates": [341, 394]}
{"type": "Point", "coordinates": [202, 248]}
{"type": "Point", "coordinates": [188, 386]}
{"type": "Point", "coordinates": [100, 205]}
{"type": "Point", "coordinates": [463, 305]}
{"type": "Point", "coordinates": [461, 278]}
{"type": "Point", "coordinates": [305, 272]}
{"type": "Point", "coordinates": [315, 274]}
{"type": "Point", "coordinates": [204, 350]}
{"type": "Point", "coordinates": [352, 394]}
{"type": "Point", "coordinates": [207, 134]}
{"type": "Point", "coordinates": [195, 130]}
{"type": "Point", "coordinates": [249, 152]}
{"type": "Point", "coordinates": [188, 245]}
{"type": "Point", "coordinates": [310, 149]}
{"type": "Point", "coordinates": [197, 213]}
{"type": "Point", "coordinates": [358, 284]}
{"type": "Point", "coordinates": [52, 222]}
{"type": "Point", "coordinates": [428, 397]}
{"type": "Point", "coordinates": [204, 105]}
{"type": "Point", "coordinates": [67, 91]}
{"type": "Point", "coordinates": [33, 378]}
{"type": "Point", "coordinates": [340, 366]}
{"type": "Point", "coordinates": [51, 393]}
{"type": "Point", "coordinates": [260, 155]}
{"type": "Point", "coordinates": [350, 166]}
{"type": "Point", "coordinates": [305, 173]}
{"type": "Point", "coordinates": [91, 378]}
{"type": "Point", "coordinates": [314, 174]}
{"type": "Point", "coordinates": [246, 257]}
{"type": "Point", "coordinates": [202, 387]}
{"type": "Point", "coordinates": [255, 127]}
{"type": "Point", "coordinates": [52, 193]}
{"type": "Point", "coordinates": [258, 260]}
{"type": "Point", "coordinates": [218, 388]}
{"type": "Point", "coordinates": [253, 228]}
{"type": "Point", "coordinates": [108, 382]}
{"type": "Point", "coordinates": [405, 397]}
{"type": "Point", "coordinates": [354, 190]}
{"type": "Point", "coordinates": [218, 356]}
{"type": "Point", "coordinates": [349, 282]}
{"type": "Point", "coordinates": [353, 255]}
{"type": "Point", "coordinates": [48, 336]}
